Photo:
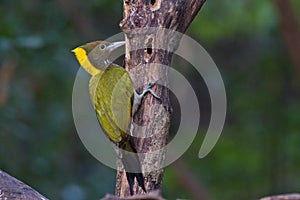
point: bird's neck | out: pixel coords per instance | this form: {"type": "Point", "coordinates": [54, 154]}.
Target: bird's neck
{"type": "Point", "coordinates": [91, 69]}
{"type": "Point", "coordinates": [85, 62]}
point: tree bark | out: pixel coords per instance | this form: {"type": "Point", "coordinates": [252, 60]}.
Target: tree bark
{"type": "Point", "coordinates": [11, 188]}
{"type": "Point", "coordinates": [283, 197]}
{"type": "Point", "coordinates": [144, 66]}
{"type": "Point", "coordinates": [149, 196]}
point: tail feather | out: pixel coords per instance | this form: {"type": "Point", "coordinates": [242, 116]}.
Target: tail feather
{"type": "Point", "coordinates": [130, 178]}
{"type": "Point", "coordinates": [140, 179]}
{"type": "Point", "coordinates": [133, 170]}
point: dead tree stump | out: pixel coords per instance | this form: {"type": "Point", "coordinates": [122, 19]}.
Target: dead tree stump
{"type": "Point", "coordinates": [143, 60]}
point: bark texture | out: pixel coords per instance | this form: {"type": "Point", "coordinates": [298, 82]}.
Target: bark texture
{"type": "Point", "coordinates": [150, 196]}
{"type": "Point", "coordinates": [11, 188]}
{"type": "Point", "coordinates": [146, 63]}
{"type": "Point", "coordinates": [283, 197]}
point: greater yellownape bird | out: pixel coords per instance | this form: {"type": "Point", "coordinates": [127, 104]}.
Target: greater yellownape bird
{"type": "Point", "coordinates": [115, 101]}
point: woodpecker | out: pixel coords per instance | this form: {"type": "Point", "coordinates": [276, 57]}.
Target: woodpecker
{"type": "Point", "coordinates": [115, 101]}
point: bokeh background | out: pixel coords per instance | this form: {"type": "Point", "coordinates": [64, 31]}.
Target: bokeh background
{"type": "Point", "coordinates": [256, 47]}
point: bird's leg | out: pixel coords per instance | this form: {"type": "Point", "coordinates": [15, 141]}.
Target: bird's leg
{"type": "Point", "coordinates": [138, 100]}
{"type": "Point", "coordinates": [138, 97]}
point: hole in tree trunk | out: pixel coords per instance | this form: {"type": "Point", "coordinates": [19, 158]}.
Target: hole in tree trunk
{"type": "Point", "coordinates": [148, 49]}
{"type": "Point", "coordinates": [155, 4]}
{"type": "Point", "coordinates": [152, 2]}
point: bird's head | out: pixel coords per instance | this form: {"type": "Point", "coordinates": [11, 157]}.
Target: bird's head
{"type": "Point", "coordinates": [94, 56]}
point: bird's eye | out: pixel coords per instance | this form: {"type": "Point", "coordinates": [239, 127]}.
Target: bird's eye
{"type": "Point", "coordinates": [102, 46]}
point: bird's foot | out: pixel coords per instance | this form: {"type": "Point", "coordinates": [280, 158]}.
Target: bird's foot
{"type": "Point", "coordinates": [148, 89]}
{"type": "Point", "coordinates": [138, 97]}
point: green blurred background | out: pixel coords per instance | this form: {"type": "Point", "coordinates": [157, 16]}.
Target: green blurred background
{"type": "Point", "coordinates": [258, 152]}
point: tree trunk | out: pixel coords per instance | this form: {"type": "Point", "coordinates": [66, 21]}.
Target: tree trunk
{"type": "Point", "coordinates": [147, 63]}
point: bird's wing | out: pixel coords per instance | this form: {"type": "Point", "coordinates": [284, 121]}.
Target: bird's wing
{"type": "Point", "coordinates": [113, 101]}
{"type": "Point", "coordinates": [101, 111]}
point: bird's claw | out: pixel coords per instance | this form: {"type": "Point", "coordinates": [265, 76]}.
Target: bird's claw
{"type": "Point", "coordinates": [150, 85]}
{"type": "Point", "coordinates": [148, 89]}
{"type": "Point", "coordinates": [138, 97]}
{"type": "Point", "coordinates": [155, 95]}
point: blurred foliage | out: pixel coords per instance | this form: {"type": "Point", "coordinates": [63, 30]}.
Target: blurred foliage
{"type": "Point", "coordinates": [257, 154]}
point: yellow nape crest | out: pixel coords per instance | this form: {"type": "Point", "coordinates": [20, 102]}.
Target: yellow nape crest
{"type": "Point", "coordinates": [83, 60]}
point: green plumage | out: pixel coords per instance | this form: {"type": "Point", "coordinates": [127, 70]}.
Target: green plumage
{"type": "Point", "coordinates": [111, 93]}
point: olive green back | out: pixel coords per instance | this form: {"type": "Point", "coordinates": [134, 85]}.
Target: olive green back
{"type": "Point", "coordinates": [111, 93]}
